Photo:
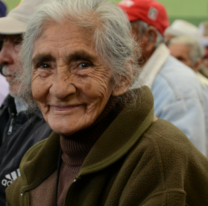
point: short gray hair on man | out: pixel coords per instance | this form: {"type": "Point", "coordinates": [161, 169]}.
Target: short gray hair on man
{"type": "Point", "coordinates": [142, 28]}
{"type": "Point", "coordinates": [111, 34]}
{"type": "Point", "coordinates": [196, 49]}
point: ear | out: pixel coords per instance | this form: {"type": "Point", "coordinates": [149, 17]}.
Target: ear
{"type": "Point", "coordinates": [146, 41]}
{"type": "Point", "coordinates": [124, 82]}
{"type": "Point", "coordinates": [196, 67]}
{"type": "Point", "coordinates": [151, 35]}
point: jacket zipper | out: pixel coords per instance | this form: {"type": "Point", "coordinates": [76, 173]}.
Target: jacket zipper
{"type": "Point", "coordinates": [11, 125]}
{"type": "Point", "coordinates": [69, 189]}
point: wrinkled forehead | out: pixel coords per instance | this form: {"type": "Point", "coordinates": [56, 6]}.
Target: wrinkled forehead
{"type": "Point", "coordinates": [63, 32]}
{"type": "Point", "coordinates": [63, 41]}
{"type": "Point", "coordinates": [79, 26]}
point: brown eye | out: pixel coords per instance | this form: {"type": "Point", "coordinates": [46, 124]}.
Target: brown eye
{"type": "Point", "coordinates": [84, 65]}
{"type": "Point", "coordinates": [44, 66]}
{"type": "Point", "coordinates": [18, 40]}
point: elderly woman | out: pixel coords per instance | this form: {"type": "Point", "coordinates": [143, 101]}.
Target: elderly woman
{"type": "Point", "coordinates": [107, 147]}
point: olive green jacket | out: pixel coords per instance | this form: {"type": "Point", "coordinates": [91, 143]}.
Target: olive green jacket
{"type": "Point", "coordinates": [136, 161]}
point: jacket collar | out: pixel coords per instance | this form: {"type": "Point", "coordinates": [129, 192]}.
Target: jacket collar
{"type": "Point", "coordinates": [113, 144]}
{"type": "Point", "coordinates": [121, 135]}
{"type": "Point", "coordinates": [9, 105]}
{"type": "Point", "coordinates": [153, 66]}
{"type": "Point", "coordinates": [21, 105]}
{"type": "Point", "coordinates": [15, 105]}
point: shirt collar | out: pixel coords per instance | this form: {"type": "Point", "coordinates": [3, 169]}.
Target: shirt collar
{"type": "Point", "coordinates": [152, 67]}
{"type": "Point", "coordinates": [21, 105]}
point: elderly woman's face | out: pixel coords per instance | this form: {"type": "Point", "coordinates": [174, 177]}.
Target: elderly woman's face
{"type": "Point", "coordinates": [70, 82]}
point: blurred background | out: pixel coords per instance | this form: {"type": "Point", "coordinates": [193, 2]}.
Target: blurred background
{"type": "Point", "coordinates": [194, 11]}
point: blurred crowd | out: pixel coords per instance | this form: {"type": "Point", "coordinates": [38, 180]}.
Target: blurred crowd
{"type": "Point", "coordinates": [173, 68]}
{"type": "Point", "coordinates": [189, 44]}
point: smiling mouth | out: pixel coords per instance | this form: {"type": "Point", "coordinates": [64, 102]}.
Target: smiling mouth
{"type": "Point", "coordinates": [65, 108]}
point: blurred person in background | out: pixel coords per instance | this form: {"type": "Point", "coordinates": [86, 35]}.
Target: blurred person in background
{"type": "Point", "coordinates": [190, 52]}
{"type": "Point", "coordinates": [4, 87]}
{"type": "Point", "coordinates": [203, 28]}
{"type": "Point", "coordinates": [205, 61]}
{"type": "Point", "coordinates": [19, 127]}
{"type": "Point", "coordinates": [184, 28]}
{"type": "Point", "coordinates": [107, 148]}
{"type": "Point", "coordinates": [181, 28]}
{"type": "Point", "coordinates": [175, 98]}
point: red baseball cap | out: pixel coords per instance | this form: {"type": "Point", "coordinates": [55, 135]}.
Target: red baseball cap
{"type": "Point", "coordinates": [149, 11]}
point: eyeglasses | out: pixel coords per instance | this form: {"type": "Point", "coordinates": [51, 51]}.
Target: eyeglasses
{"type": "Point", "coordinates": [15, 41]}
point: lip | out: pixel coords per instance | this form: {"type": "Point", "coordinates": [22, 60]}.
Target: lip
{"type": "Point", "coordinates": [65, 108]}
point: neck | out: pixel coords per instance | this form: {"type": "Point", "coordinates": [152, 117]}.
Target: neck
{"type": "Point", "coordinates": [76, 147]}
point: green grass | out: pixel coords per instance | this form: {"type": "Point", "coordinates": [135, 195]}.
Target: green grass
{"type": "Point", "coordinates": [12, 3]}
{"type": "Point", "coordinates": [191, 10]}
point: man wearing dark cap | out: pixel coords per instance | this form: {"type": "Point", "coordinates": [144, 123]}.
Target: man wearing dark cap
{"type": "Point", "coordinates": [19, 127]}
{"type": "Point", "coordinates": [177, 92]}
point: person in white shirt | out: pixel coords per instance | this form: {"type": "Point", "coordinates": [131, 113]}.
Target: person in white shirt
{"type": "Point", "coordinates": [178, 94]}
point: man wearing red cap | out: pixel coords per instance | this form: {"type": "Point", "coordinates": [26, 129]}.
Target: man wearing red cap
{"type": "Point", "coordinates": [177, 92]}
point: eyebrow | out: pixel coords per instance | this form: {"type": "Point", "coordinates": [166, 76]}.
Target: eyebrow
{"type": "Point", "coordinates": [77, 55]}
{"type": "Point", "coordinates": [41, 58]}
{"type": "Point", "coordinates": [80, 55]}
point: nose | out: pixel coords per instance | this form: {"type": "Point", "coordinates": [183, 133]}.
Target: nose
{"type": "Point", "coordinates": [62, 86]}
{"type": "Point", "coordinates": [6, 54]}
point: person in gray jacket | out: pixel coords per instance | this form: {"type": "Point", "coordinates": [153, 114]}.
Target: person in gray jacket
{"type": "Point", "coordinates": [19, 127]}
{"type": "Point", "coordinates": [178, 94]}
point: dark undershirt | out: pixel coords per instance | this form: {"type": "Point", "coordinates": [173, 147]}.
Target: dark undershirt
{"type": "Point", "coordinates": [76, 147]}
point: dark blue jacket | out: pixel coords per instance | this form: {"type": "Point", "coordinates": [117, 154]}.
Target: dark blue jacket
{"type": "Point", "coordinates": [18, 132]}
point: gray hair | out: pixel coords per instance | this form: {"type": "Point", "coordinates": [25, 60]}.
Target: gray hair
{"type": "Point", "coordinates": [142, 29]}
{"type": "Point", "coordinates": [196, 50]}
{"type": "Point", "coordinates": [111, 35]}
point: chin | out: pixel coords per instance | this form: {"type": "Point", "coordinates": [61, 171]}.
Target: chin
{"type": "Point", "coordinates": [64, 130]}
{"type": "Point", "coordinates": [69, 129]}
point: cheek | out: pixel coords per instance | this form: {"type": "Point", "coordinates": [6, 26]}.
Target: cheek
{"type": "Point", "coordinates": [87, 86]}
{"type": "Point", "coordinates": [35, 89]}
{"type": "Point", "coordinates": [16, 58]}
{"type": "Point", "coordinates": [39, 88]}
{"type": "Point", "coordinates": [98, 85]}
